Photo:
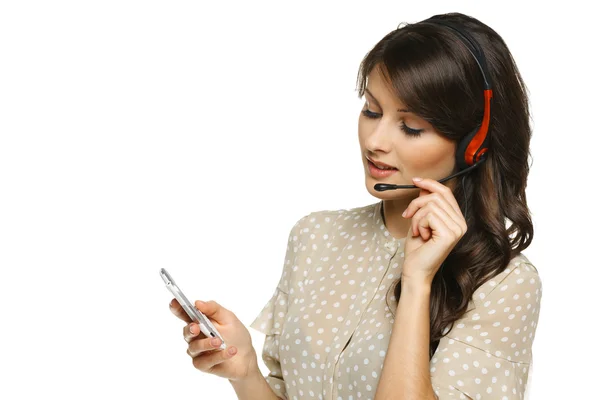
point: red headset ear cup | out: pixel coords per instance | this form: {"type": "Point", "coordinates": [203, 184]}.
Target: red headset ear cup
{"type": "Point", "coordinates": [461, 150]}
{"type": "Point", "coordinates": [463, 160]}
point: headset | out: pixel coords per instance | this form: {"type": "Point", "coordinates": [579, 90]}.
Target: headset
{"type": "Point", "coordinates": [472, 148]}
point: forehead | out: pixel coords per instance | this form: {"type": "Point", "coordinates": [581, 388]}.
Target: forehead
{"type": "Point", "coordinates": [382, 90]}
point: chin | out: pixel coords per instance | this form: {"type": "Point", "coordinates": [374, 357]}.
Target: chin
{"type": "Point", "coordinates": [388, 194]}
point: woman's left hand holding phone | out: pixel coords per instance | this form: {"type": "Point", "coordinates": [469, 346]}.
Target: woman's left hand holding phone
{"type": "Point", "coordinates": [206, 356]}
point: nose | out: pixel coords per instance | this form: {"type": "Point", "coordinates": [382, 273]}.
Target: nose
{"type": "Point", "coordinates": [379, 136]}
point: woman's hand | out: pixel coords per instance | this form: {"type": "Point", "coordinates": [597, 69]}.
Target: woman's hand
{"type": "Point", "coordinates": [237, 361]}
{"type": "Point", "coordinates": [436, 227]}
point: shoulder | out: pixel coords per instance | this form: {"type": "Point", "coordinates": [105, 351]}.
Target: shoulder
{"type": "Point", "coordinates": [491, 344]}
{"type": "Point", "coordinates": [323, 221]}
{"type": "Point", "coordinates": [506, 310]}
{"type": "Point", "coordinates": [520, 277]}
{"type": "Point", "coordinates": [313, 234]}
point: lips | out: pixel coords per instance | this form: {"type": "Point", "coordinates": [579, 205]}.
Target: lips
{"type": "Point", "coordinates": [378, 173]}
{"type": "Point", "coordinates": [380, 164]}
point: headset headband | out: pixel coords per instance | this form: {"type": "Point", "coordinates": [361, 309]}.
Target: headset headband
{"type": "Point", "coordinates": [473, 146]}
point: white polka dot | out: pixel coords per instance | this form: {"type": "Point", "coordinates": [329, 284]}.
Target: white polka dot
{"type": "Point", "coordinates": [339, 278]}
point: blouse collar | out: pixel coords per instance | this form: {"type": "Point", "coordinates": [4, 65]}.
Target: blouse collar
{"type": "Point", "coordinates": [383, 236]}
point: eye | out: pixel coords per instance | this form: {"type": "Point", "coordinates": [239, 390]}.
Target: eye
{"type": "Point", "coordinates": [406, 129]}
{"type": "Point", "coordinates": [370, 114]}
{"type": "Point", "coordinates": [410, 131]}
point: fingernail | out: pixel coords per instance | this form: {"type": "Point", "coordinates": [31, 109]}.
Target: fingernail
{"type": "Point", "coordinates": [215, 342]}
{"type": "Point", "coordinates": [417, 179]}
{"type": "Point", "coordinates": [404, 213]}
{"type": "Point", "coordinates": [201, 302]}
{"type": "Point", "coordinates": [193, 329]}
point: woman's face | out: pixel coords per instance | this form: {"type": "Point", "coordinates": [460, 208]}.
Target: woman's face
{"type": "Point", "coordinates": [389, 134]}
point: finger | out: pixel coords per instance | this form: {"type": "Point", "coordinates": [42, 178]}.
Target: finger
{"type": "Point", "coordinates": [441, 191]}
{"type": "Point", "coordinates": [415, 224]}
{"type": "Point", "coordinates": [449, 222]}
{"type": "Point", "coordinates": [176, 309]}
{"type": "Point", "coordinates": [435, 198]}
{"type": "Point", "coordinates": [202, 353]}
{"type": "Point", "coordinates": [437, 187]}
{"type": "Point", "coordinates": [447, 227]}
{"type": "Point", "coordinates": [438, 199]}
{"type": "Point", "coordinates": [205, 362]}
{"type": "Point", "coordinates": [213, 310]}
{"type": "Point", "coordinates": [421, 224]}
{"type": "Point", "coordinates": [192, 332]}
{"type": "Point", "coordinates": [439, 229]}
{"type": "Point", "coordinates": [200, 346]}
{"type": "Point", "coordinates": [424, 229]}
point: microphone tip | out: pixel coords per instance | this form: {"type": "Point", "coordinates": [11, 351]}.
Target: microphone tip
{"type": "Point", "coordinates": [380, 187]}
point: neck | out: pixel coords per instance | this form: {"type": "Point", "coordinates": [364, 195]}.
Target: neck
{"type": "Point", "coordinates": [395, 223]}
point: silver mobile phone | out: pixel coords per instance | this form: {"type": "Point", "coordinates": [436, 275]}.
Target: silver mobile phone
{"type": "Point", "coordinates": [196, 315]}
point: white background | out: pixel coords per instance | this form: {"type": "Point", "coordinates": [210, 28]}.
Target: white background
{"type": "Point", "coordinates": [137, 135]}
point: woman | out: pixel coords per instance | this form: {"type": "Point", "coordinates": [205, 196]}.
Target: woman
{"type": "Point", "coordinates": [424, 294]}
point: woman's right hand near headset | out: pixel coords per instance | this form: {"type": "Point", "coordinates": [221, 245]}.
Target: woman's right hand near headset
{"type": "Point", "coordinates": [206, 356]}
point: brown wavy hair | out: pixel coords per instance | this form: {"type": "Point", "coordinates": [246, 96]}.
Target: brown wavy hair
{"type": "Point", "coordinates": [435, 75]}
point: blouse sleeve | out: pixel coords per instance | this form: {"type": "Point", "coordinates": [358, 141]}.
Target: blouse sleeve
{"type": "Point", "coordinates": [487, 353]}
{"type": "Point", "coordinates": [270, 320]}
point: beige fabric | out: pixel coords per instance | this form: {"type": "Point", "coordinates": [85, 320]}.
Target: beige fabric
{"type": "Point", "coordinates": [327, 324]}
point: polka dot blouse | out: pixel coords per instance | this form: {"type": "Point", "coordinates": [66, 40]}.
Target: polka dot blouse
{"type": "Point", "coordinates": [328, 326]}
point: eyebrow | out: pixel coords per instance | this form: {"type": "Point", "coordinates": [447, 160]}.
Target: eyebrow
{"type": "Point", "coordinates": [378, 105]}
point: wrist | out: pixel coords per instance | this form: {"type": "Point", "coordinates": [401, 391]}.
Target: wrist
{"type": "Point", "coordinates": [415, 285]}
{"type": "Point", "coordinates": [253, 373]}
{"type": "Point", "coordinates": [253, 386]}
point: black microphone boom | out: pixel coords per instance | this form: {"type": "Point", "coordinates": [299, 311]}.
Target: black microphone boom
{"type": "Point", "coordinates": [380, 187]}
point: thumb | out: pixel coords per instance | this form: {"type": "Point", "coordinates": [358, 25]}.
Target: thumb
{"type": "Point", "coordinates": [213, 310]}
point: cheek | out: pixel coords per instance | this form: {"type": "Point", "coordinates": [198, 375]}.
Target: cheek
{"type": "Point", "coordinates": [361, 125]}
{"type": "Point", "coordinates": [427, 156]}
{"type": "Point", "coordinates": [362, 130]}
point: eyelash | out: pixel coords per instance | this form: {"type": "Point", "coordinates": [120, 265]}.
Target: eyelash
{"type": "Point", "coordinates": [409, 131]}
